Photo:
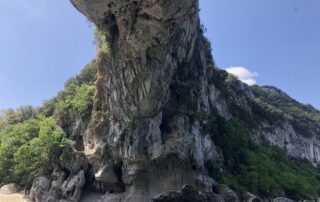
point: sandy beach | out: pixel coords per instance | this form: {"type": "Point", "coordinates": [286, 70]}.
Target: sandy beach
{"type": "Point", "coordinates": [88, 197]}
{"type": "Point", "coordinates": [12, 198]}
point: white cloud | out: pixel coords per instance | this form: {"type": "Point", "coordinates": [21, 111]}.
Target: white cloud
{"type": "Point", "coordinates": [243, 74]}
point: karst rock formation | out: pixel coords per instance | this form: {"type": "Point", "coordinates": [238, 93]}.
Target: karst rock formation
{"type": "Point", "coordinates": [144, 138]}
{"type": "Point", "coordinates": [155, 92]}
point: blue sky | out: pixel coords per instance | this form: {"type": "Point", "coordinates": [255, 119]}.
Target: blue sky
{"type": "Point", "coordinates": [45, 42]}
{"type": "Point", "coordinates": [42, 44]}
{"type": "Point", "coordinates": [278, 40]}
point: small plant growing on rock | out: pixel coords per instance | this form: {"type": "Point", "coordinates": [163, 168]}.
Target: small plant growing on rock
{"type": "Point", "coordinates": [102, 41]}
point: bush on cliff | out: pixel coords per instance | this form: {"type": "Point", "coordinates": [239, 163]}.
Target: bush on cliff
{"type": "Point", "coordinates": [30, 149]}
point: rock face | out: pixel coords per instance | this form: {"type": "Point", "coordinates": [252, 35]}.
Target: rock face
{"type": "Point", "coordinates": [298, 134]}
{"type": "Point", "coordinates": [145, 136]}
{"type": "Point", "coordinates": [295, 144]}
{"type": "Point", "coordinates": [39, 189]}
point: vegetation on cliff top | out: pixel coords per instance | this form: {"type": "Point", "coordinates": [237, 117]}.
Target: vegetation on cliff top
{"type": "Point", "coordinates": [304, 118]}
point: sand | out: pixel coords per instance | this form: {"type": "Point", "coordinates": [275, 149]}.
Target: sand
{"type": "Point", "coordinates": [88, 197]}
{"type": "Point", "coordinates": [12, 198]}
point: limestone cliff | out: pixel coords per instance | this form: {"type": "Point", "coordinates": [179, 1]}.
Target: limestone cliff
{"type": "Point", "coordinates": [157, 90]}
{"type": "Point", "coordinates": [143, 138]}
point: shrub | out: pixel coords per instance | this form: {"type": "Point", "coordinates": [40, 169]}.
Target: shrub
{"type": "Point", "coordinates": [102, 41]}
{"type": "Point", "coordinates": [30, 149]}
{"type": "Point", "coordinates": [82, 100]}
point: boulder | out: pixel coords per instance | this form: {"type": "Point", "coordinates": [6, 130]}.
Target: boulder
{"type": "Point", "coordinates": [9, 189]}
{"type": "Point", "coordinates": [282, 199]}
{"type": "Point", "coordinates": [60, 190]}
{"type": "Point", "coordinates": [40, 188]}
{"type": "Point", "coordinates": [249, 197]}
{"type": "Point", "coordinates": [188, 194]}
{"type": "Point", "coordinates": [71, 189]}
{"type": "Point", "coordinates": [226, 193]}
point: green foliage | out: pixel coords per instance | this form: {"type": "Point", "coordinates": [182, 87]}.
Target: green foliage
{"type": "Point", "coordinates": [265, 104]}
{"type": "Point", "coordinates": [263, 170]}
{"type": "Point", "coordinates": [77, 96]}
{"type": "Point", "coordinates": [80, 101]}
{"type": "Point", "coordinates": [208, 52]}
{"type": "Point", "coordinates": [102, 41]}
{"type": "Point", "coordinates": [30, 149]}
{"type": "Point", "coordinates": [130, 125]}
{"type": "Point", "coordinates": [10, 116]}
{"type": "Point", "coordinates": [218, 78]}
{"type": "Point", "coordinates": [31, 143]}
{"type": "Point", "coordinates": [88, 74]}
{"type": "Point", "coordinates": [83, 98]}
{"type": "Point", "coordinates": [279, 106]}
